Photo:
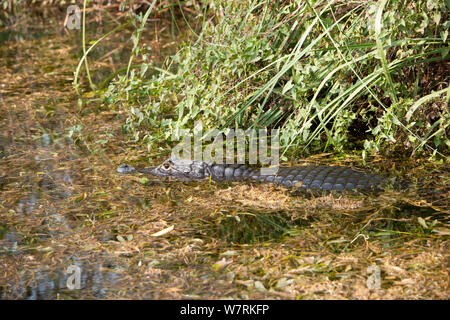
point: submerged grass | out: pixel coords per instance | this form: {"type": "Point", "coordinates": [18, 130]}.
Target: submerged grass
{"type": "Point", "coordinates": [62, 203]}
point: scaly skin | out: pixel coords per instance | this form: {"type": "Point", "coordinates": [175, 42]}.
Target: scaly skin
{"type": "Point", "coordinates": [307, 177]}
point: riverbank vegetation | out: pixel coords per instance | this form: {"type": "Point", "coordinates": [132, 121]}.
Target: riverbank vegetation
{"type": "Point", "coordinates": [368, 76]}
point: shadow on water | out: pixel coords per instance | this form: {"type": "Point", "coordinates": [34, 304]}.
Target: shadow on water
{"type": "Point", "coordinates": [253, 227]}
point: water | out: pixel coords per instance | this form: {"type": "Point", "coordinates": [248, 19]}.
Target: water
{"type": "Point", "coordinates": [62, 204]}
{"type": "Point", "coordinates": [39, 175]}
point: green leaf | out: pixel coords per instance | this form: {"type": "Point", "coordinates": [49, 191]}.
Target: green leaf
{"type": "Point", "coordinates": [288, 86]}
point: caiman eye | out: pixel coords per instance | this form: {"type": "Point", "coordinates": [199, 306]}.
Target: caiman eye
{"type": "Point", "coordinates": [166, 165]}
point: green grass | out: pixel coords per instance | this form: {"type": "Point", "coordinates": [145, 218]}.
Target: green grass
{"type": "Point", "coordinates": [332, 76]}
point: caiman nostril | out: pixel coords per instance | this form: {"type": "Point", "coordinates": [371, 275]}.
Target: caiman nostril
{"type": "Point", "coordinates": [124, 168]}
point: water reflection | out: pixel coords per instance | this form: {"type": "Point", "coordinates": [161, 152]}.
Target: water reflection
{"type": "Point", "coordinates": [8, 240]}
{"type": "Point", "coordinates": [41, 178]}
{"type": "Point", "coordinates": [95, 281]}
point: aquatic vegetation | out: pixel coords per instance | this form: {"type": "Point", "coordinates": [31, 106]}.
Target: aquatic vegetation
{"type": "Point", "coordinates": [63, 205]}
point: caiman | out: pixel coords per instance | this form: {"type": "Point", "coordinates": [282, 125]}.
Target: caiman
{"type": "Point", "coordinates": [313, 177]}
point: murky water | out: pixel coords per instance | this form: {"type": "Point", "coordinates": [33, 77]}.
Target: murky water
{"type": "Point", "coordinates": [62, 205]}
{"type": "Point", "coordinates": [39, 160]}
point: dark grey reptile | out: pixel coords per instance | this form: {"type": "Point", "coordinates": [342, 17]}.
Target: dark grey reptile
{"type": "Point", "coordinates": [307, 177]}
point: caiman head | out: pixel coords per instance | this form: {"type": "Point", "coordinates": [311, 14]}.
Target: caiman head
{"type": "Point", "coordinates": [180, 169]}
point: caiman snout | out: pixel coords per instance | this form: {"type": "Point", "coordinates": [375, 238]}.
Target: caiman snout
{"type": "Point", "coordinates": [124, 168]}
